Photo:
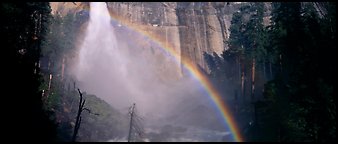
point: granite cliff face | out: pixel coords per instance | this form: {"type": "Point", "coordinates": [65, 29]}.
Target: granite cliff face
{"type": "Point", "coordinates": [190, 28]}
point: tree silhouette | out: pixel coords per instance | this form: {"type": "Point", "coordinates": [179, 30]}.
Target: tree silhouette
{"type": "Point", "coordinates": [135, 126]}
{"type": "Point", "coordinates": [78, 117]}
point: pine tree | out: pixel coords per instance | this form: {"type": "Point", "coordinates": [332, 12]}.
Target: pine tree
{"type": "Point", "coordinates": [24, 27]}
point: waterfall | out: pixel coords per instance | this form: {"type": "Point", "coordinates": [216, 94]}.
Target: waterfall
{"type": "Point", "coordinates": [112, 66]}
{"type": "Point", "coordinates": [101, 61]}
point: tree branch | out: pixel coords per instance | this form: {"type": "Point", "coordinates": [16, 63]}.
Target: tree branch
{"type": "Point", "coordinates": [90, 112]}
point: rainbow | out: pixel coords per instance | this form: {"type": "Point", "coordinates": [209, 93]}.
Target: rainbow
{"type": "Point", "coordinates": [193, 71]}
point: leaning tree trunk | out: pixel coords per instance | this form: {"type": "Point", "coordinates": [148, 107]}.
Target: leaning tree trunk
{"type": "Point", "coordinates": [63, 68]}
{"type": "Point", "coordinates": [238, 83]}
{"type": "Point", "coordinates": [78, 117]}
{"type": "Point", "coordinates": [264, 70]}
{"type": "Point", "coordinates": [253, 79]}
{"type": "Point", "coordinates": [280, 63]}
{"type": "Point", "coordinates": [270, 67]}
{"type": "Point", "coordinates": [131, 121]}
{"type": "Point", "coordinates": [242, 82]}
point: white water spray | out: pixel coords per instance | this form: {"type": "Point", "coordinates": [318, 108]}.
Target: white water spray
{"type": "Point", "coordinates": [100, 58]}
{"type": "Point", "coordinates": [115, 72]}
{"type": "Point", "coordinates": [120, 75]}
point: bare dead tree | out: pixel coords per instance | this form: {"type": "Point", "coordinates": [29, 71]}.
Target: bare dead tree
{"type": "Point", "coordinates": [78, 117]}
{"type": "Point", "coordinates": [131, 112]}
{"type": "Point", "coordinates": [90, 112]}
{"type": "Point", "coordinates": [135, 127]}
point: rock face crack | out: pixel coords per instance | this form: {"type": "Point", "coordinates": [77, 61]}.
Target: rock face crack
{"type": "Point", "coordinates": [189, 28]}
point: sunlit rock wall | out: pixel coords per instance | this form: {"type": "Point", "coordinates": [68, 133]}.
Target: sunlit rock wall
{"type": "Point", "coordinates": [189, 28]}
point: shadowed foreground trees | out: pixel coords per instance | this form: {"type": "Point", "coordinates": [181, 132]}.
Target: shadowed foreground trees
{"type": "Point", "coordinates": [22, 29]}
{"type": "Point", "coordinates": [297, 56]}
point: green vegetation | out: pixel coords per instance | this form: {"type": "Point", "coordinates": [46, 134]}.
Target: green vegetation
{"type": "Point", "coordinates": [281, 76]}
{"type": "Point", "coordinates": [23, 28]}
{"type": "Point", "coordinates": [42, 109]}
{"type": "Point", "coordinates": [291, 65]}
{"type": "Point", "coordinates": [103, 122]}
